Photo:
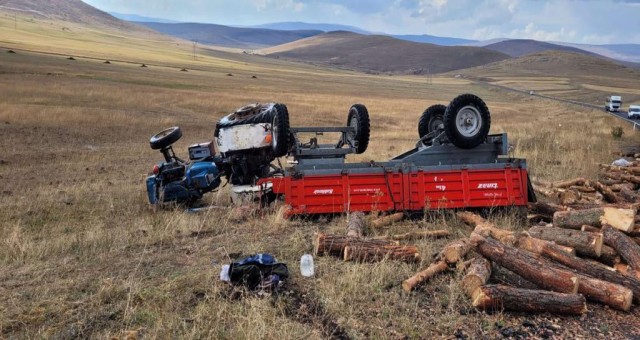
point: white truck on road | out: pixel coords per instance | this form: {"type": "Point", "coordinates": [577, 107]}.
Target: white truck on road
{"type": "Point", "coordinates": [613, 104]}
{"type": "Point", "coordinates": [634, 111]}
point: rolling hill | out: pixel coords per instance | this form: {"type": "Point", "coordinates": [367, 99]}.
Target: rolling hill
{"type": "Point", "coordinates": [376, 53]}
{"type": "Point", "coordinates": [520, 47]}
{"type": "Point", "coordinates": [226, 36]}
{"type": "Point", "coordinates": [73, 11]}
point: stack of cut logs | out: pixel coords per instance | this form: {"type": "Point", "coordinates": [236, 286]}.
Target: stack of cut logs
{"type": "Point", "coordinates": [355, 247]}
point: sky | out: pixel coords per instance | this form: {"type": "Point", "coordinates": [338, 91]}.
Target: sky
{"type": "Point", "coordinates": [577, 21]}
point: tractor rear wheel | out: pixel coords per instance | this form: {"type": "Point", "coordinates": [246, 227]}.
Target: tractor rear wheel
{"type": "Point", "coordinates": [359, 119]}
{"type": "Point", "coordinates": [280, 130]}
{"type": "Point", "coordinates": [431, 119]}
{"type": "Point", "coordinates": [467, 121]}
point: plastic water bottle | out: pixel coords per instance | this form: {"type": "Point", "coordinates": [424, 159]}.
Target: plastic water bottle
{"type": "Point", "coordinates": [224, 273]}
{"type": "Point", "coordinates": [306, 265]}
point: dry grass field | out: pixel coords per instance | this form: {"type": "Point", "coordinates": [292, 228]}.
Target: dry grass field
{"type": "Point", "coordinates": [83, 256]}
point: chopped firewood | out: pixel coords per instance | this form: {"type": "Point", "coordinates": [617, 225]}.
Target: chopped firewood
{"type": "Point", "coordinates": [454, 252]}
{"type": "Point", "coordinates": [327, 244]}
{"type": "Point", "coordinates": [477, 275]}
{"type": "Point", "coordinates": [622, 268]}
{"type": "Point", "coordinates": [486, 228]}
{"type": "Point", "coordinates": [585, 243]}
{"type": "Point", "coordinates": [590, 229]}
{"type": "Point", "coordinates": [628, 195]}
{"type": "Point", "coordinates": [624, 245]}
{"type": "Point", "coordinates": [537, 218]}
{"type": "Point", "coordinates": [387, 220]}
{"type": "Point", "coordinates": [527, 266]}
{"type": "Point", "coordinates": [376, 252]}
{"type": "Point", "coordinates": [582, 188]}
{"type": "Point", "coordinates": [450, 254]}
{"type": "Point", "coordinates": [356, 224]}
{"type": "Point", "coordinates": [547, 192]}
{"type": "Point", "coordinates": [609, 195]}
{"type": "Point", "coordinates": [569, 183]}
{"type": "Point", "coordinates": [609, 256]}
{"type": "Point", "coordinates": [622, 219]}
{"type": "Point", "coordinates": [421, 234]}
{"type": "Point", "coordinates": [499, 297]}
{"type": "Point", "coordinates": [545, 208]}
{"type": "Point", "coordinates": [607, 293]}
{"type": "Point", "coordinates": [585, 267]}
{"type": "Point", "coordinates": [423, 276]}
{"type": "Point", "coordinates": [568, 197]}
{"type": "Point", "coordinates": [535, 245]}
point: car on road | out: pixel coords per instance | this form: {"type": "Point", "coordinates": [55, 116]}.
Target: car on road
{"type": "Point", "coordinates": [634, 112]}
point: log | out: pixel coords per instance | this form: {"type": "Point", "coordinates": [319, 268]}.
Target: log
{"type": "Point", "coordinates": [527, 266]}
{"type": "Point", "coordinates": [607, 293]}
{"type": "Point", "coordinates": [387, 220]}
{"type": "Point", "coordinates": [535, 245]}
{"type": "Point", "coordinates": [622, 268]}
{"type": "Point", "coordinates": [421, 234]}
{"type": "Point", "coordinates": [498, 297]}
{"type": "Point", "coordinates": [608, 194]}
{"type": "Point", "coordinates": [624, 245]}
{"type": "Point", "coordinates": [609, 256]}
{"type": "Point", "coordinates": [568, 197]}
{"type": "Point", "coordinates": [622, 219]}
{"type": "Point", "coordinates": [450, 254]}
{"type": "Point", "coordinates": [599, 272]}
{"type": "Point", "coordinates": [585, 243]}
{"type": "Point", "coordinates": [545, 208]}
{"type": "Point", "coordinates": [582, 189]}
{"type": "Point", "coordinates": [628, 195]}
{"type": "Point", "coordinates": [574, 219]}
{"type": "Point", "coordinates": [327, 244]}
{"type": "Point", "coordinates": [568, 183]}
{"type": "Point", "coordinates": [477, 275]}
{"type": "Point", "coordinates": [371, 253]}
{"type": "Point", "coordinates": [590, 229]}
{"type": "Point", "coordinates": [356, 224]}
{"type": "Point", "coordinates": [455, 251]}
{"type": "Point", "coordinates": [486, 228]}
{"type": "Point", "coordinates": [435, 268]}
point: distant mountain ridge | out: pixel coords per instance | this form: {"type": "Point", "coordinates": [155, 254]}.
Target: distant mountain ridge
{"type": "Point", "coordinates": [227, 36]}
{"type": "Point", "coordinates": [141, 18]}
{"type": "Point", "coordinates": [379, 53]}
{"type": "Point", "coordinates": [520, 47]}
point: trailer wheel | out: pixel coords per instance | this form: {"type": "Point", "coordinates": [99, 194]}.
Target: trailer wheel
{"type": "Point", "coordinates": [165, 138]}
{"type": "Point", "coordinates": [467, 121]}
{"type": "Point", "coordinates": [359, 119]}
{"type": "Point", "coordinates": [431, 118]}
{"type": "Point", "coordinates": [280, 130]}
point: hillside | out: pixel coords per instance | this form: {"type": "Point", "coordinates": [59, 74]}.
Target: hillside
{"type": "Point", "coordinates": [375, 53]}
{"type": "Point", "coordinates": [237, 37]}
{"type": "Point", "coordinates": [72, 11]}
{"type": "Point", "coordinates": [520, 47]}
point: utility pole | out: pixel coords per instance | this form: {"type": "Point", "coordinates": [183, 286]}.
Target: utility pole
{"type": "Point", "coordinates": [195, 43]}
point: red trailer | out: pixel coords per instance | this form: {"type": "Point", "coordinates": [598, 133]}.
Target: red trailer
{"type": "Point", "coordinates": [434, 176]}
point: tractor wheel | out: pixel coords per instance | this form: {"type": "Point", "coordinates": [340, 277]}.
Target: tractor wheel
{"type": "Point", "coordinates": [165, 138]}
{"type": "Point", "coordinates": [431, 118]}
{"type": "Point", "coordinates": [467, 121]}
{"type": "Point", "coordinates": [359, 119]}
{"type": "Point", "coordinates": [280, 130]}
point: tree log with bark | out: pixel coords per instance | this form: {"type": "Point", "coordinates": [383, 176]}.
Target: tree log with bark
{"type": "Point", "coordinates": [624, 245]}
{"type": "Point", "coordinates": [375, 252]}
{"type": "Point", "coordinates": [421, 234]}
{"type": "Point", "coordinates": [498, 297]}
{"type": "Point", "coordinates": [450, 254]}
{"type": "Point", "coordinates": [327, 244]}
{"type": "Point", "coordinates": [526, 265]}
{"type": "Point", "coordinates": [387, 220]}
{"type": "Point", "coordinates": [622, 219]}
{"type": "Point", "coordinates": [478, 274]}
{"type": "Point", "coordinates": [584, 267]}
{"type": "Point", "coordinates": [356, 224]}
{"type": "Point", "coordinates": [585, 243]}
